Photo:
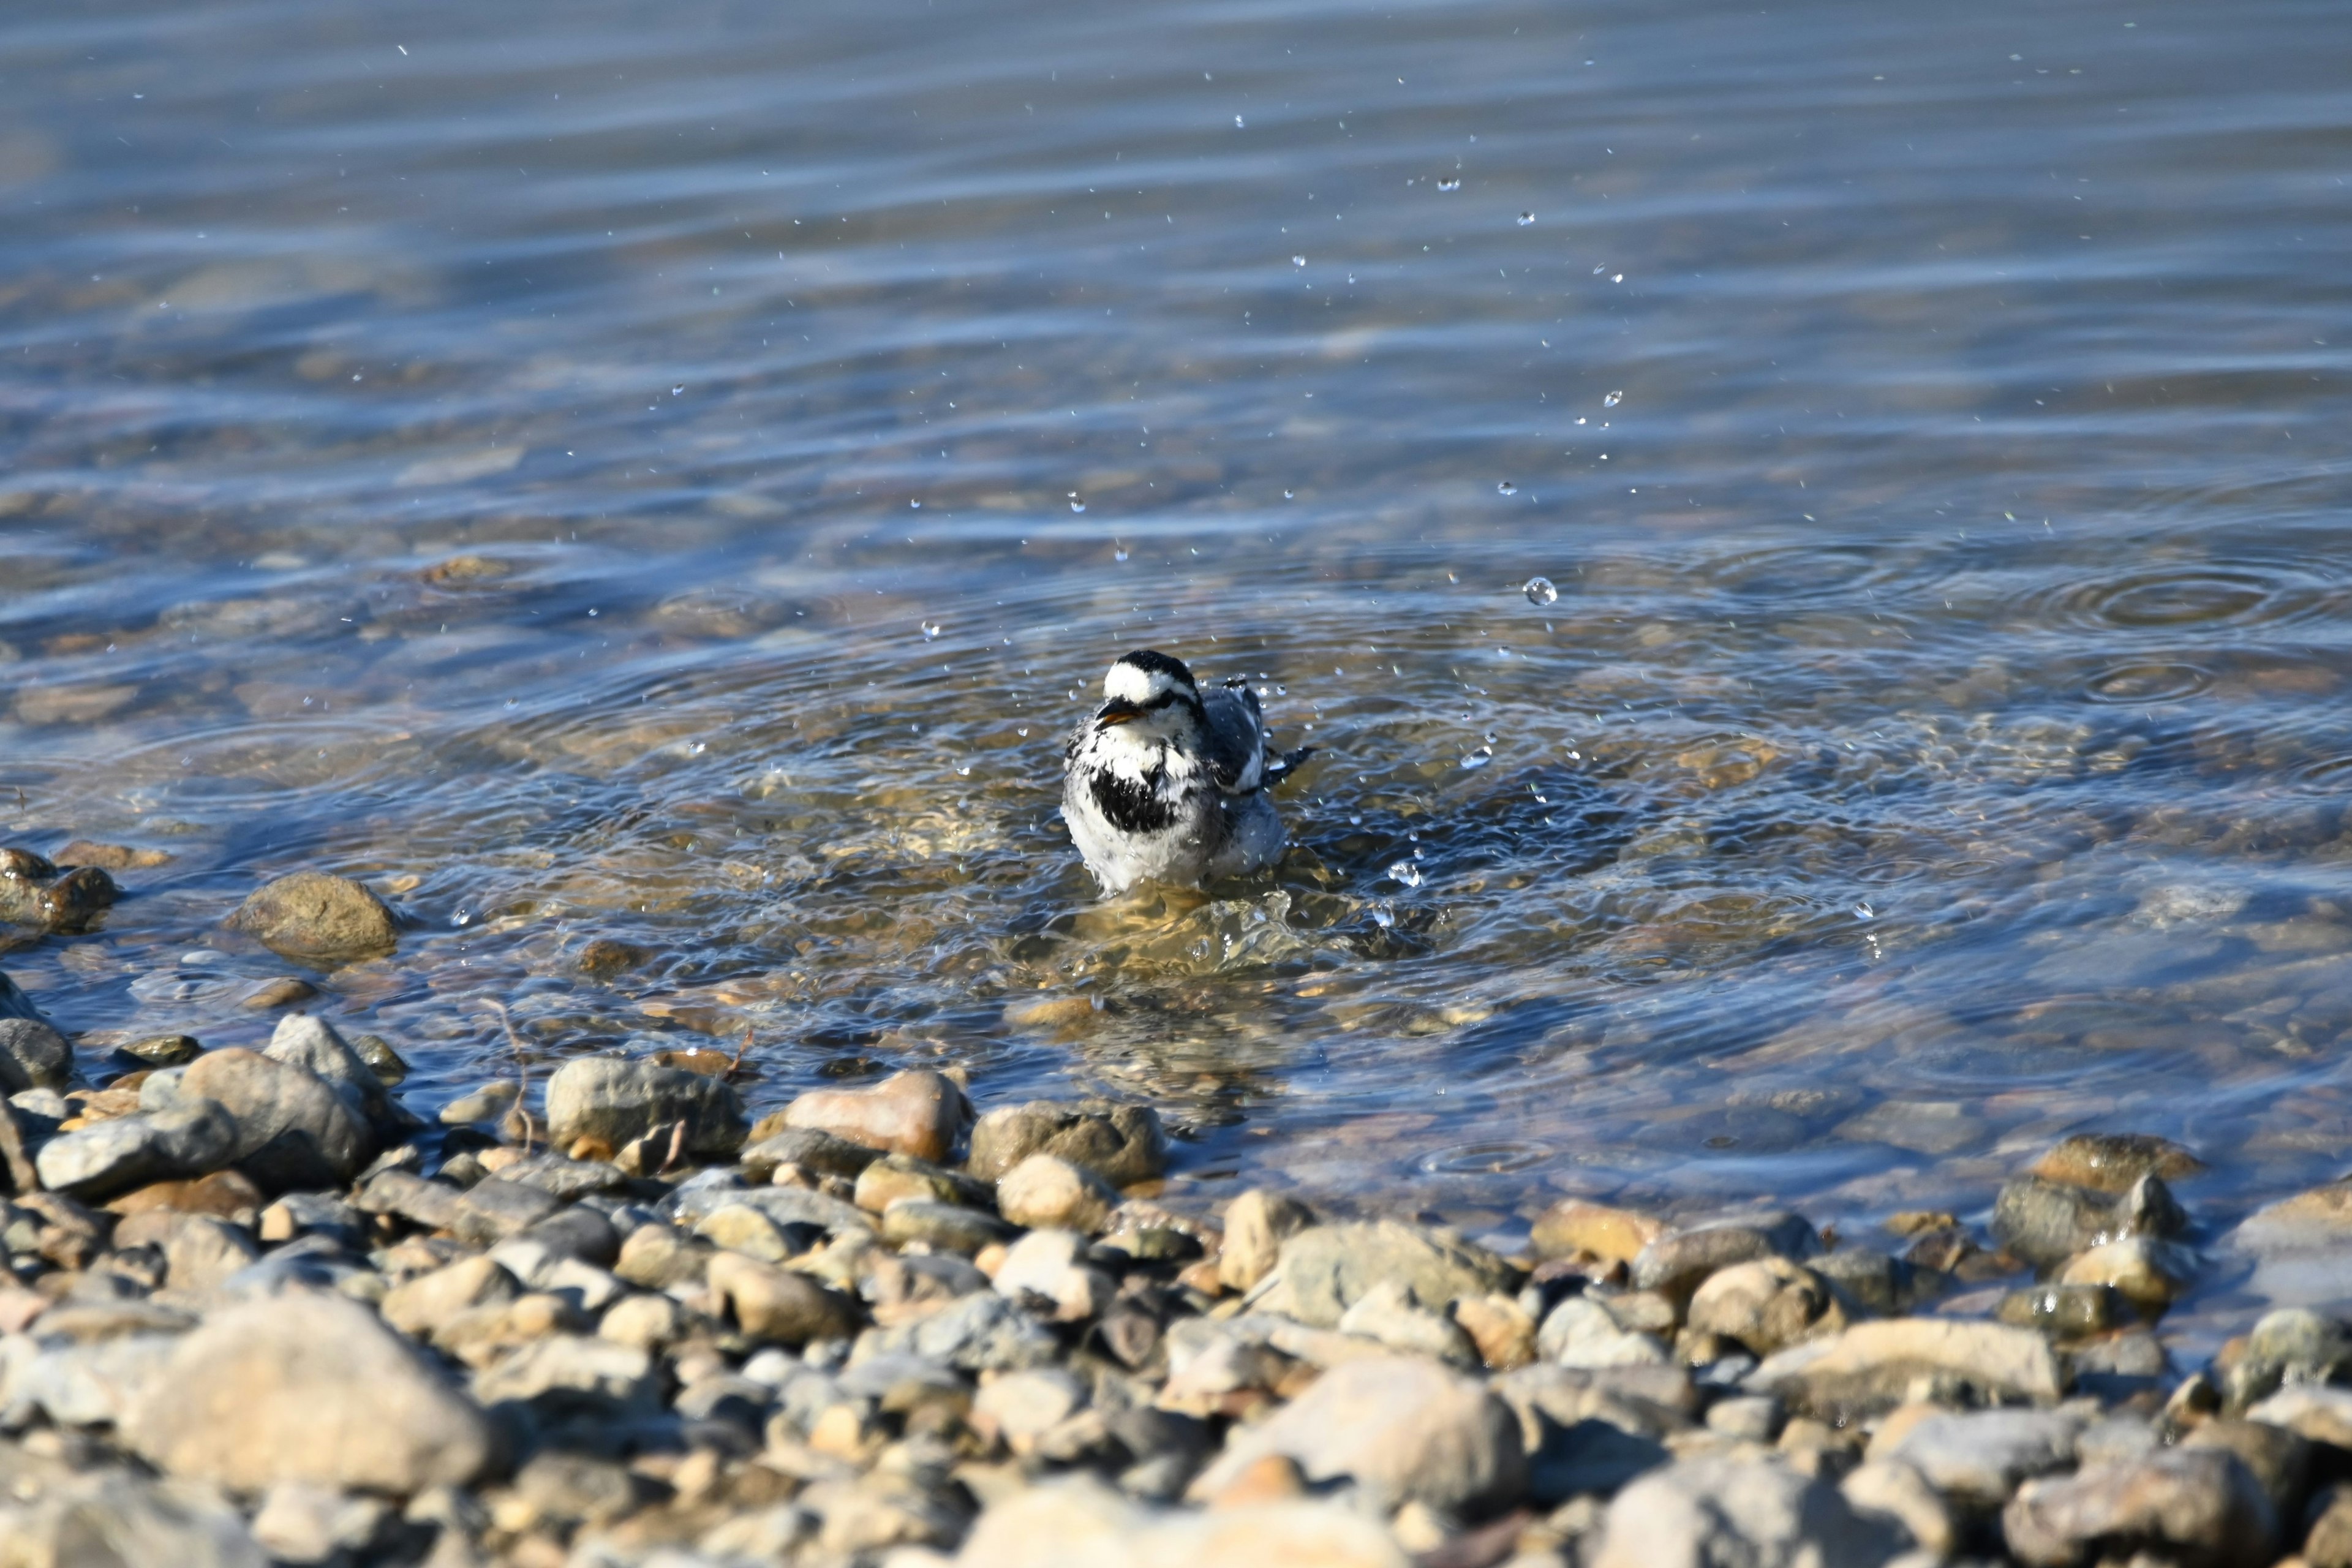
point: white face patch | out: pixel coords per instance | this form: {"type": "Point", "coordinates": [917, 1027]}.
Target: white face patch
{"type": "Point", "coordinates": [1138, 686]}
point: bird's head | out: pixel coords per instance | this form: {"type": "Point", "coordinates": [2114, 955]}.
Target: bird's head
{"type": "Point", "coordinates": [1150, 696]}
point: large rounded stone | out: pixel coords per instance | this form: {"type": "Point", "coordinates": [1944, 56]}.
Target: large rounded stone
{"type": "Point", "coordinates": [1403, 1429]}
{"type": "Point", "coordinates": [108, 1158]}
{"type": "Point", "coordinates": [1044, 1192]}
{"type": "Point", "coordinates": [2197, 1507]}
{"type": "Point", "coordinates": [33, 1055]}
{"type": "Point", "coordinates": [318, 919]}
{"type": "Point", "coordinates": [1323, 1271]}
{"type": "Point", "coordinates": [918, 1112]}
{"type": "Point", "coordinates": [1718, 1510]}
{"type": "Point", "coordinates": [1873, 1366]}
{"type": "Point", "coordinates": [615, 1101]}
{"type": "Point", "coordinates": [307, 1387]}
{"type": "Point", "coordinates": [293, 1130]}
{"type": "Point", "coordinates": [1121, 1144]}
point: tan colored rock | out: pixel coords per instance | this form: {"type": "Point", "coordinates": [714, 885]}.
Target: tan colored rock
{"type": "Point", "coordinates": [1502, 1330]}
{"type": "Point", "coordinates": [1044, 1192]}
{"type": "Point", "coordinates": [309, 1388]}
{"type": "Point", "coordinates": [658, 1257]}
{"type": "Point", "coordinates": [1574, 1226]}
{"type": "Point", "coordinates": [1123, 1145]}
{"type": "Point", "coordinates": [1322, 1271]}
{"type": "Point", "coordinates": [2112, 1162]}
{"type": "Point", "coordinates": [199, 1250]}
{"type": "Point", "coordinates": [2198, 1507]}
{"type": "Point", "coordinates": [318, 919]}
{"type": "Point", "coordinates": [771, 1303]}
{"type": "Point", "coordinates": [917, 1113]}
{"type": "Point", "coordinates": [227, 1194]}
{"type": "Point", "coordinates": [738, 1227]}
{"type": "Point", "coordinates": [1767, 1305]}
{"type": "Point", "coordinates": [646, 1318]}
{"type": "Point", "coordinates": [1874, 1366]}
{"type": "Point", "coordinates": [425, 1305]}
{"type": "Point", "coordinates": [1257, 1224]}
{"type": "Point", "coordinates": [1082, 1523]}
{"type": "Point", "coordinates": [2145, 1271]}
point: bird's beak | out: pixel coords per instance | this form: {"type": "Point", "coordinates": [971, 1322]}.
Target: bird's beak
{"type": "Point", "coordinates": [1118, 710]}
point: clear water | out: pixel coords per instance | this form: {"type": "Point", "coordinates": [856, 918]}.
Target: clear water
{"type": "Point", "coordinates": [673, 472]}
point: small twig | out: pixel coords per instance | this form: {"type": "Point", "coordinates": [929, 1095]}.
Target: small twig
{"type": "Point", "coordinates": [738, 1062]}
{"type": "Point", "coordinates": [522, 1067]}
{"type": "Point", "coordinates": [676, 1148]}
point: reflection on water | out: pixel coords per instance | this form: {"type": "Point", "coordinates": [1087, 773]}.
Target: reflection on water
{"type": "Point", "coordinates": [672, 477]}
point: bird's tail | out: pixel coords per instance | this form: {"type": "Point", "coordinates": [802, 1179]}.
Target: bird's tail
{"type": "Point", "coordinates": [1283, 767]}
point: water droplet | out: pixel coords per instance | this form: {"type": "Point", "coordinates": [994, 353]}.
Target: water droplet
{"type": "Point", "coordinates": [1599, 270]}
{"type": "Point", "coordinates": [1478, 759]}
{"type": "Point", "coordinates": [1298, 261]}
{"type": "Point", "coordinates": [1356, 821]}
{"type": "Point", "coordinates": [915, 505]}
{"type": "Point", "coordinates": [964, 772]}
{"type": "Point", "coordinates": [1613, 400]}
{"type": "Point", "coordinates": [1616, 278]}
{"type": "Point", "coordinates": [1237, 122]}
{"type": "Point", "coordinates": [1287, 496]}
{"type": "Point", "coordinates": [1863, 911]}
{"type": "Point", "coordinates": [1118, 554]}
{"type": "Point", "coordinates": [677, 392]}
{"type": "Point", "coordinates": [1076, 504]}
{"type": "Point", "coordinates": [1539, 591]}
{"type": "Point", "coordinates": [1506, 488]}
{"type": "Point", "coordinates": [1453, 185]}
{"type": "Point", "coordinates": [1405, 871]}
{"type": "Point", "coordinates": [1022, 732]}
{"type": "Point", "coordinates": [931, 630]}
{"type": "Point", "coordinates": [1381, 917]}
{"type": "Point", "coordinates": [1526, 219]}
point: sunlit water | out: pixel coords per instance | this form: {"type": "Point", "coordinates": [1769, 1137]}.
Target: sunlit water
{"type": "Point", "coordinates": [673, 472]}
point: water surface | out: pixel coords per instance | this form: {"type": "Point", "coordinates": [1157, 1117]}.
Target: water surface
{"type": "Point", "coordinates": [672, 472]}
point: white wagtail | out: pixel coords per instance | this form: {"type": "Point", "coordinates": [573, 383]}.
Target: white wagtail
{"type": "Point", "coordinates": [1165, 782]}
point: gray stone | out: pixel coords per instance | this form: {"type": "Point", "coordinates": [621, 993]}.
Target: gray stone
{"type": "Point", "coordinates": [1877, 1282]}
{"type": "Point", "coordinates": [106, 1158]}
{"type": "Point", "coordinates": [1678, 1262]}
{"type": "Point", "coordinates": [614, 1102]}
{"type": "Point", "coordinates": [33, 1055]}
{"type": "Point", "coordinates": [318, 919]}
{"type": "Point", "coordinates": [200, 1250]}
{"type": "Point", "coordinates": [2318, 1413]}
{"type": "Point", "coordinates": [567, 1178]}
{"type": "Point", "coordinates": [1257, 1224]}
{"type": "Point", "coordinates": [2280, 1459]}
{"type": "Point", "coordinates": [1891, 1490]}
{"type": "Point", "coordinates": [1121, 1144]}
{"type": "Point", "coordinates": [294, 1130]}
{"type": "Point", "coordinates": [2046, 1222]}
{"type": "Point", "coordinates": [812, 1149]}
{"type": "Point", "coordinates": [1047, 1190]}
{"type": "Point", "coordinates": [1717, 1511]}
{"type": "Point", "coordinates": [1581, 1332]}
{"type": "Point", "coordinates": [1765, 1304]}
{"type": "Point", "coordinates": [2195, 1507]}
{"type": "Point", "coordinates": [433, 1204]}
{"type": "Point", "coordinates": [983, 1333]}
{"type": "Point", "coordinates": [693, 1203]}
{"type": "Point", "coordinates": [2290, 1345]}
{"type": "Point", "coordinates": [1321, 1272]}
{"type": "Point", "coordinates": [1387, 1314]}
{"type": "Point", "coordinates": [94, 1383]}
{"type": "Point", "coordinates": [304, 1041]}
{"type": "Point", "coordinates": [112, 1519]}
{"type": "Point", "coordinates": [1403, 1430]}
{"type": "Point", "coordinates": [300, 1524]}
{"type": "Point", "coordinates": [490, 1102]}
{"type": "Point", "coordinates": [565, 1375]}
{"type": "Point", "coordinates": [1979, 1457]}
{"type": "Point", "coordinates": [490, 1211]}
{"type": "Point", "coordinates": [947, 1226]}
{"type": "Point", "coordinates": [307, 1387]}
{"type": "Point", "coordinates": [1067, 1522]}
{"type": "Point", "coordinates": [780, 1305]}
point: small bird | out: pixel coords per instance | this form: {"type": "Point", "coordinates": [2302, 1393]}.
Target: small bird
{"type": "Point", "coordinates": [1165, 783]}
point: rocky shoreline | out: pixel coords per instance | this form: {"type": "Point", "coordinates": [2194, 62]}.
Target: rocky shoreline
{"type": "Point", "coordinates": [257, 1309]}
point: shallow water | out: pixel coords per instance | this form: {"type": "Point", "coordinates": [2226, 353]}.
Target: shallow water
{"type": "Point", "coordinates": [619, 474]}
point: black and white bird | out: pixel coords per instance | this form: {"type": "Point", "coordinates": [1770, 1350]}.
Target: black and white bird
{"type": "Point", "coordinates": [1167, 782]}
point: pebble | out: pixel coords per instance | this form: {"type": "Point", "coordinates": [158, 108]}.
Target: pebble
{"type": "Point", "coordinates": [110, 1158]}
{"type": "Point", "coordinates": [293, 1129]}
{"type": "Point", "coordinates": [1678, 1261]}
{"type": "Point", "coordinates": [1767, 1305]}
{"type": "Point", "coordinates": [2148, 1273]}
{"type": "Point", "coordinates": [1876, 1366]}
{"type": "Point", "coordinates": [33, 1055]}
{"type": "Point", "coordinates": [1705, 1512]}
{"type": "Point", "coordinates": [1047, 1191]}
{"type": "Point", "coordinates": [917, 1113]}
{"type": "Point", "coordinates": [1322, 1271]}
{"type": "Point", "coordinates": [1977, 1457]}
{"type": "Point", "coordinates": [318, 919]}
{"type": "Point", "coordinates": [1082, 1523]}
{"type": "Point", "coordinates": [778, 1305]}
{"type": "Point", "coordinates": [1257, 1224]}
{"type": "Point", "coordinates": [2112, 1162]}
{"type": "Point", "coordinates": [2045, 1222]}
{"type": "Point", "coordinates": [1123, 1145]}
{"type": "Point", "coordinates": [1573, 1227]}
{"type": "Point", "coordinates": [309, 1388]}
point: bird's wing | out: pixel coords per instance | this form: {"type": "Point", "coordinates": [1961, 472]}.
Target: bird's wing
{"type": "Point", "coordinates": [1236, 737]}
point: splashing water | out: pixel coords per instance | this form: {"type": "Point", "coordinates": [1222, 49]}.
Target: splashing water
{"type": "Point", "coordinates": [1539, 591]}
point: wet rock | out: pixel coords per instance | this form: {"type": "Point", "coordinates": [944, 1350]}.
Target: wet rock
{"type": "Point", "coordinates": [917, 1113]}
{"type": "Point", "coordinates": [301, 1040]}
{"type": "Point", "coordinates": [605, 957]}
{"type": "Point", "coordinates": [1123, 1145]}
{"type": "Point", "coordinates": [286, 991]}
{"type": "Point", "coordinates": [1679, 1261]}
{"type": "Point", "coordinates": [1402, 1429]}
{"type": "Point", "coordinates": [1766, 1305]}
{"type": "Point", "coordinates": [32, 893]}
{"type": "Point", "coordinates": [1257, 1224]}
{"type": "Point", "coordinates": [111, 856]}
{"type": "Point", "coordinates": [808, 1147]}
{"type": "Point", "coordinates": [1046, 1192]}
{"type": "Point", "coordinates": [318, 919]}
{"type": "Point", "coordinates": [1321, 1272]}
{"type": "Point", "coordinates": [1876, 1366]}
{"type": "Point", "coordinates": [303, 1387]}
{"type": "Point", "coordinates": [2112, 1162]}
{"type": "Point", "coordinates": [1573, 1227]}
{"type": "Point", "coordinates": [293, 1130]}
{"type": "Point", "coordinates": [2148, 1273]}
{"type": "Point", "coordinates": [778, 1304]}
{"type": "Point", "coordinates": [1978, 1457]}
{"type": "Point", "coordinates": [162, 1050]}
{"type": "Point", "coordinates": [33, 1055]}
{"type": "Point", "coordinates": [1581, 1332]}
{"type": "Point", "coordinates": [381, 1060]}
{"type": "Point", "coordinates": [2198, 1507]}
{"type": "Point", "coordinates": [109, 1158]}
{"type": "Point", "coordinates": [1702, 1512]}
{"type": "Point", "coordinates": [2065, 1311]}
{"type": "Point", "coordinates": [1874, 1281]}
{"type": "Point", "coordinates": [2045, 1222]}
{"type": "Point", "coordinates": [2301, 1248]}
{"type": "Point", "coordinates": [614, 1101]}
{"type": "Point", "coordinates": [2290, 1345]}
